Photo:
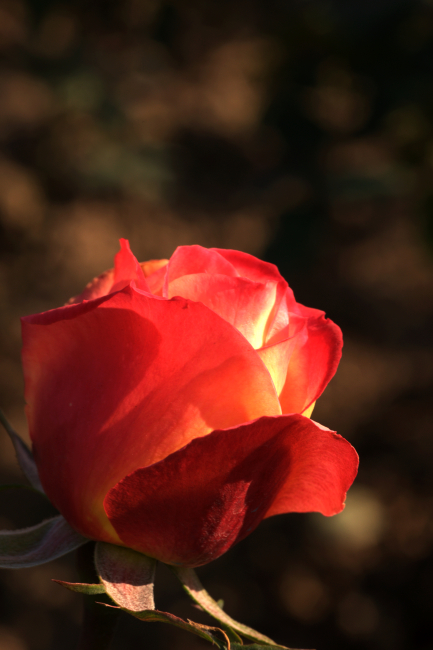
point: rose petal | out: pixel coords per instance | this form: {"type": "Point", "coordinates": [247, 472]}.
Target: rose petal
{"type": "Point", "coordinates": [195, 504]}
{"type": "Point", "coordinates": [152, 266]}
{"type": "Point", "coordinates": [307, 413]}
{"type": "Point", "coordinates": [121, 382]}
{"type": "Point", "coordinates": [187, 260]}
{"type": "Point", "coordinates": [324, 466]}
{"type": "Point", "coordinates": [285, 304]}
{"type": "Point", "coordinates": [126, 269]}
{"type": "Point", "coordinates": [313, 363]}
{"type": "Point", "coordinates": [244, 304]}
{"type": "Point", "coordinates": [276, 358]}
{"type": "Point", "coordinates": [248, 266]}
{"type": "Point", "coordinates": [154, 272]}
{"type": "Point", "coordinates": [276, 355]}
{"type": "Point", "coordinates": [100, 286]}
{"type": "Point", "coordinates": [257, 270]}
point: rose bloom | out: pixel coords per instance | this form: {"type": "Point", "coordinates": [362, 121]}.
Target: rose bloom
{"type": "Point", "coordinates": [169, 404]}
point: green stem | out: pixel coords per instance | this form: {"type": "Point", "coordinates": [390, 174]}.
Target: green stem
{"type": "Point", "coordinates": [99, 622]}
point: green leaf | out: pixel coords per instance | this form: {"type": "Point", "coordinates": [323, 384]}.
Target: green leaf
{"type": "Point", "coordinates": [127, 576]}
{"type": "Point", "coordinates": [38, 544]}
{"type": "Point", "coordinates": [82, 587]}
{"type": "Point", "coordinates": [199, 595]}
{"type": "Point", "coordinates": [24, 455]}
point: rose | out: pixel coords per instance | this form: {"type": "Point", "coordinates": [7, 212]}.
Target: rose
{"type": "Point", "coordinates": [167, 404]}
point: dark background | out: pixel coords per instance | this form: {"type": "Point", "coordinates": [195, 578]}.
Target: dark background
{"type": "Point", "coordinates": [299, 131]}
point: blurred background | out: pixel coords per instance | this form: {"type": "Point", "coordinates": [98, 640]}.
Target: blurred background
{"type": "Point", "coordinates": [300, 131]}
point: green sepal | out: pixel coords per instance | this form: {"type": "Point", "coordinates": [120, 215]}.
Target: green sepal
{"type": "Point", "coordinates": [38, 544]}
{"type": "Point", "coordinates": [23, 454]}
{"type": "Point", "coordinates": [82, 587]}
{"type": "Point", "coordinates": [199, 595]}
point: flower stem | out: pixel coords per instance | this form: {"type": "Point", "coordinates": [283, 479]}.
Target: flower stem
{"type": "Point", "coordinates": [99, 622]}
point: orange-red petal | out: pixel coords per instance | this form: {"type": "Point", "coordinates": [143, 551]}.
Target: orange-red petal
{"type": "Point", "coordinates": [244, 304]}
{"type": "Point", "coordinates": [187, 260]}
{"type": "Point", "coordinates": [191, 507]}
{"type": "Point", "coordinates": [324, 466]}
{"type": "Point", "coordinates": [313, 362]}
{"type": "Point", "coordinates": [248, 266]}
{"type": "Point", "coordinates": [123, 381]}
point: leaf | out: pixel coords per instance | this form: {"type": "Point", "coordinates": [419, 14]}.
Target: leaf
{"type": "Point", "coordinates": [82, 587]}
{"type": "Point", "coordinates": [127, 576]}
{"type": "Point", "coordinates": [24, 455]}
{"type": "Point", "coordinates": [196, 591]}
{"type": "Point", "coordinates": [38, 544]}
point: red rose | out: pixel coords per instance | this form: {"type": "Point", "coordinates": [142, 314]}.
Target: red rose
{"type": "Point", "coordinates": [167, 404]}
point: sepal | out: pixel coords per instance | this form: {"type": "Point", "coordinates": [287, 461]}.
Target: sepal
{"type": "Point", "coordinates": [82, 587]}
{"type": "Point", "coordinates": [24, 455]}
{"type": "Point", "coordinates": [199, 595]}
{"type": "Point", "coordinates": [38, 544]}
{"type": "Point", "coordinates": [127, 576]}
{"type": "Point", "coordinates": [204, 631]}
{"type": "Point", "coordinates": [231, 634]}
{"type": "Point", "coordinates": [220, 638]}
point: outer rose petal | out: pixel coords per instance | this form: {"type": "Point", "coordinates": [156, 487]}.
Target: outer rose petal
{"type": "Point", "coordinates": [313, 364]}
{"type": "Point", "coordinates": [191, 507]}
{"type": "Point", "coordinates": [244, 304]}
{"type": "Point", "coordinates": [125, 380]}
{"type": "Point", "coordinates": [321, 486]}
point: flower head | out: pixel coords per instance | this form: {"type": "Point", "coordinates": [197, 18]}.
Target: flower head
{"type": "Point", "coordinates": [168, 404]}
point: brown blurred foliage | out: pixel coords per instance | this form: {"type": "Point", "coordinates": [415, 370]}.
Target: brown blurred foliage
{"type": "Point", "coordinates": [301, 132]}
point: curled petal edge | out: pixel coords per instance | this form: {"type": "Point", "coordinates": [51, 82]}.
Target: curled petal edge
{"type": "Point", "coordinates": [192, 506]}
